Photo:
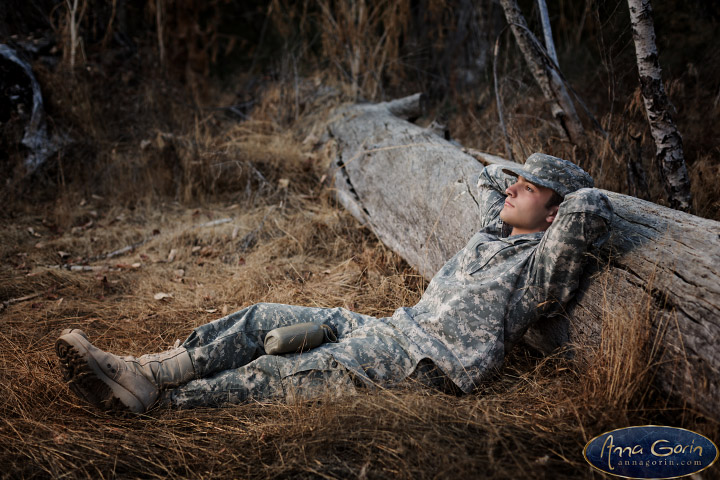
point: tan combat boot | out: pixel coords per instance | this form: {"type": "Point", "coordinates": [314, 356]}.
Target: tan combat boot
{"type": "Point", "coordinates": [119, 383]}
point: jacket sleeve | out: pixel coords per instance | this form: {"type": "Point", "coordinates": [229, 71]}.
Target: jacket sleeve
{"type": "Point", "coordinates": [583, 222]}
{"type": "Point", "coordinates": [491, 193]}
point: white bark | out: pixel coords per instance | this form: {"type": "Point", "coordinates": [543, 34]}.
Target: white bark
{"type": "Point", "coordinates": [545, 74]}
{"type": "Point", "coordinates": [547, 31]}
{"type": "Point", "coordinates": [668, 143]}
{"type": "Point", "coordinates": [73, 21]}
{"type": "Point", "coordinates": [416, 191]}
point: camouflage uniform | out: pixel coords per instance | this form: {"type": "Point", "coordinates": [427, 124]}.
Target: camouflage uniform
{"type": "Point", "coordinates": [478, 305]}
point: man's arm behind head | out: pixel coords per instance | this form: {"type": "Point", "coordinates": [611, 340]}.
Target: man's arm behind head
{"type": "Point", "coordinates": [583, 223]}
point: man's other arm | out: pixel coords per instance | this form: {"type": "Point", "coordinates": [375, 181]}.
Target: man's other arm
{"type": "Point", "coordinates": [583, 221]}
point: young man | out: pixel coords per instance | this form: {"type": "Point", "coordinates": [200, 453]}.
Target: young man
{"type": "Point", "coordinates": [538, 222]}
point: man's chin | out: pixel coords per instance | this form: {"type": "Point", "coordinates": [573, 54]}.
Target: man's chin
{"type": "Point", "coordinates": [504, 217]}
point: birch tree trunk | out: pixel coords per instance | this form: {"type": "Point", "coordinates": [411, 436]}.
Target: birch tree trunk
{"type": "Point", "coordinates": [545, 74]}
{"type": "Point", "coordinates": [668, 143]}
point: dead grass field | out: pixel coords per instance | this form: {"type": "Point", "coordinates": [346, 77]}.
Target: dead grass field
{"type": "Point", "coordinates": [280, 238]}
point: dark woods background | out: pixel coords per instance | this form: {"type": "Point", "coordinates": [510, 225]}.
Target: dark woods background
{"type": "Point", "coordinates": [146, 68]}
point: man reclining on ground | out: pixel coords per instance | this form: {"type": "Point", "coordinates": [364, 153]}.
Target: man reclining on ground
{"type": "Point", "coordinates": [538, 222]}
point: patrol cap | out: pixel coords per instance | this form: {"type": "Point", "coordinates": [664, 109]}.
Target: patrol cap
{"type": "Point", "coordinates": [552, 172]}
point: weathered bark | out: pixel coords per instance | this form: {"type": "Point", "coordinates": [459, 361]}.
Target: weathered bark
{"type": "Point", "coordinates": [670, 158]}
{"type": "Point", "coordinates": [416, 191]}
{"type": "Point", "coordinates": [547, 31]}
{"type": "Point", "coordinates": [545, 74]}
{"type": "Point", "coordinates": [20, 81]}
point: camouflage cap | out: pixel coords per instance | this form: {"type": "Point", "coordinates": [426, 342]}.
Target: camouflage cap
{"type": "Point", "coordinates": [555, 173]}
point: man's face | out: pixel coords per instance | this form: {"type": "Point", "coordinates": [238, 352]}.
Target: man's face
{"type": "Point", "coordinates": [525, 207]}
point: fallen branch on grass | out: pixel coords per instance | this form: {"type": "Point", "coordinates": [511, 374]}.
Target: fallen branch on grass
{"type": "Point", "coordinates": [121, 251]}
{"type": "Point", "coordinates": [415, 190]}
{"type": "Point", "coordinates": [13, 301]}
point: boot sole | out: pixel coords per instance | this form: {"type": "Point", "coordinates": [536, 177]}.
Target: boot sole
{"type": "Point", "coordinates": [87, 380]}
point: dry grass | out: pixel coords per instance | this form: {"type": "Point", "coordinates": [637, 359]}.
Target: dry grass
{"type": "Point", "coordinates": [286, 242]}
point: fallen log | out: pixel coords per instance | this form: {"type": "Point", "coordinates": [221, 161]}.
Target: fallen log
{"type": "Point", "coordinates": [22, 92]}
{"type": "Point", "coordinates": [416, 191]}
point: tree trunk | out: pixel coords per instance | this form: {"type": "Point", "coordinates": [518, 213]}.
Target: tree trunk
{"type": "Point", "coordinates": [547, 31]}
{"type": "Point", "coordinates": [545, 74]}
{"type": "Point", "coordinates": [416, 191]}
{"type": "Point", "coordinates": [670, 158]}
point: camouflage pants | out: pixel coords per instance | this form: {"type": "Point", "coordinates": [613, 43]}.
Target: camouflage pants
{"type": "Point", "coordinates": [232, 367]}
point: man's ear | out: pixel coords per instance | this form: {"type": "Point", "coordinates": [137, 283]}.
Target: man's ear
{"type": "Point", "coordinates": [552, 213]}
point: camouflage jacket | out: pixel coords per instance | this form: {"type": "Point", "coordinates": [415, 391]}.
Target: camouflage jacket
{"type": "Point", "coordinates": [486, 296]}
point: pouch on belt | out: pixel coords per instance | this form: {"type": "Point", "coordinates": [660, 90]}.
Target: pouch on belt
{"type": "Point", "coordinates": [297, 338]}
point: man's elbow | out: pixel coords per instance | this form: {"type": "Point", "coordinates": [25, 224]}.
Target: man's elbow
{"type": "Point", "coordinates": [587, 200]}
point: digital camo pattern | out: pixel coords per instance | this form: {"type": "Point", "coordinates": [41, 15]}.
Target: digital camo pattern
{"type": "Point", "coordinates": [286, 378]}
{"type": "Point", "coordinates": [552, 172]}
{"type": "Point", "coordinates": [231, 366]}
{"type": "Point", "coordinates": [484, 298]}
{"type": "Point", "coordinates": [477, 306]}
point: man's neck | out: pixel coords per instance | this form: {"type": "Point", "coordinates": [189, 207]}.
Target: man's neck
{"type": "Point", "coordinates": [520, 231]}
